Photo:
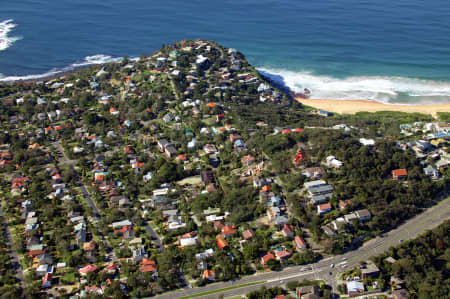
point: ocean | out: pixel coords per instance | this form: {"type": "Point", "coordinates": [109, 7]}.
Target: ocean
{"type": "Point", "coordinates": [387, 51]}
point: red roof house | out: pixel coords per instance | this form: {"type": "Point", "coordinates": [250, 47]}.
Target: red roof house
{"type": "Point", "coordinates": [267, 257]}
{"type": "Point", "coordinates": [299, 242]}
{"type": "Point", "coordinates": [399, 174]}
{"type": "Point", "coordinates": [87, 269]}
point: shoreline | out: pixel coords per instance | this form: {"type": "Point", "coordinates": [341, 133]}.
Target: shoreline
{"type": "Point", "coordinates": [49, 77]}
{"type": "Point", "coordinates": [359, 105]}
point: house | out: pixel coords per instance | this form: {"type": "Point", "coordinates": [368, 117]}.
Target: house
{"type": "Point", "coordinates": [299, 243]}
{"type": "Point", "coordinates": [260, 182]}
{"type": "Point", "coordinates": [170, 150]}
{"type": "Point", "coordinates": [235, 137]}
{"type": "Point", "coordinates": [87, 269]}
{"type": "Point", "coordinates": [148, 265]}
{"type": "Point", "coordinates": [367, 142]}
{"type": "Point", "coordinates": [319, 199]}
{"type": "Point", "coordinates": [354, 288]}
{"type": "Point", "coordinates": [313, 290]}
{"type": "Point", "coordinates": [162, 143]}
{"type": "Point", "coordinates": [221, 242]}
{"type": "Point", "coordinates": [189, 239]}
{"type": "Point", "coordinates": [344, 203]}
{"type": "Point", "coordinates": [350, 217]}
{"type": "Point", "coordinates": [267, 257]}
{"type": "Point", "coordinates": [227, 231]}
{"type": "Point", "coordinates": [328, 231]}
{"type": "Point", "coordinates": [205, 254]}
{"type": "Point", "coordinates": [248, 234]}
{"type": "Point", "coordinates": [323, 208]}
{"type": "Point", "coordinates": [319, 187]}
{"type": "Point", "coordinates": [44, 258]}
{"type": "Point", "coordinates": [313, 172]}
{"type": "Point", "coordinates": [363, 215]}
{"type": "Point", "coordinates": [181, 158]}
{"type": "Point", "coordinates": [41, 270]}
{"type": "Point", "coordinates": [218, 224]}
{"type": "Point", "coordinates": [399, 174]}
{"type": "Point", "coordinates": [371, 270]}
{"type": "Point", "coordinates": [273, 212]}
{"type": "Point", "coordinates": [122, 223]}
{"type": "Point", "coordinates": [209, 275]}
{"type": "Point", "coordinates": [282, 254]}
{"type": "Point", "coordinates": [333, 162]}
{"type": "Point", "coordinates": [248, 160]}
{"type": "Point", "coordinates": [111, 269]}
{"type": "Point", "coordinates": [287, 231]}
{"type": "Point", "coordinates": [47, 280]}
{"type": "Point", "coordinates": [209, 149]}
{"type": "Point", "coordinates": [139, 254]}
{"type": "Point", "coordinates": [431, 172]}
{"type": "Point", "coordinates": [126, 232]}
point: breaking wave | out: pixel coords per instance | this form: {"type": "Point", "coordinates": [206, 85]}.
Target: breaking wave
{"type": "Point", "coordinates": [5, 40]}
{"type": "Point", "coordinates": [88, 60]}
{"type": "Point", "coordinates": [390, 90]}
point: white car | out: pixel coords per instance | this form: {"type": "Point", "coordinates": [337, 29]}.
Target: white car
{"type": "Point", "coordinates": [332, 266]}
{"type": "Point", "coordinates": [344, 259]}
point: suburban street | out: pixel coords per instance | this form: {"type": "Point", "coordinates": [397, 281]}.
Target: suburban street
{"type": "Point", "coordinates": [429, 219]}
{"type": "Point", "coordinates": [13, 252]}
{"type": "Point", "coordinates": [93, 206]}
{"type": "Point", "coordinates": [87, 197]}
{"type": "Point", "coordinates": [155, 237]}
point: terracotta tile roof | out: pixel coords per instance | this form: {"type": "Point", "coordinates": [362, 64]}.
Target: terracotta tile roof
{"type": "Point", "coordinates": [87, 269]}
{"type": "Point", "coordinates": [227, 230]}
{"type": "Point", "coordinates": [299, 242]}
{"type": "Point", "coordinates": [247, 234]}
{"type": "Point", "coordinates": [208, 274]}
{"type": "Point", "coordinates": [221, 242]}
{"type": "Point", "coordinates": [148, 265]}
{"type": "Point", "coordinates": [282, 254]}
{"type": "Point", "coordinates": [325, 206]}
{"type": "Point", "coordinates": [268, 256]}
{"type": "Point", "coordinates": [399, 173]}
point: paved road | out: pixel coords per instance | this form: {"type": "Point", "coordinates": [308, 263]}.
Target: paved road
{"type": "Point", "coordinates": [87, 196]}
{"type": "Point", "coordinates": [155, 237]}
{"type": "Point", "coordinates": [13, 253]}
{"type": "Point", "coordinates": [429, 219]}
{"type": "Point", "coordinates": [70, 163]}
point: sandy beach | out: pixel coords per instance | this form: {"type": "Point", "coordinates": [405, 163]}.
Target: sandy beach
{"type": "Point", "coordinates": [353, 106]}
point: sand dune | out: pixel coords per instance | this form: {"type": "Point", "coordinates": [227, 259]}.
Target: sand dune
{"type": "Point", "coordinates": [353, 106]}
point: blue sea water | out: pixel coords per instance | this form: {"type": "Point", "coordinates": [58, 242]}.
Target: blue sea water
{"type": "Point", "coordinates": [391, 51]}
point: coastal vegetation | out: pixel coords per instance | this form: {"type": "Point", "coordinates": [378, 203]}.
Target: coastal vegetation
{"type": "Point", "coordinates": [420, 265]}
{"type": "Point", "coordinates": [186, 167]}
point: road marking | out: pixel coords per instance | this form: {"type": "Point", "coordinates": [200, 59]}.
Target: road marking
{"type": "Point", "coordinates": [291, 276]}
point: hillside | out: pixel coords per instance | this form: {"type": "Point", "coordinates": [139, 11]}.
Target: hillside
{"type": "Point", "coordinates": [186, 167]}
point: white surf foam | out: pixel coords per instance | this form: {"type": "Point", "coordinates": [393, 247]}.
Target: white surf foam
{"type": "Point", "coordinates": [381, 89]}
{"type": "Point", "coordinates": [97, 59]}
{"type": "Point", "coordinates": [5, 40]}
{"type": "Point", "coordinates": [88, 60]}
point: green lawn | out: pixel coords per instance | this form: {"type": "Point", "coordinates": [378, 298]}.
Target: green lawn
{"type": "Point", "coordinates": [222, 290]}
{"type": "Point", "coordinates": [190, 180]}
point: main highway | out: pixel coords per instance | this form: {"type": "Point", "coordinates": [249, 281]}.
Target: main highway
{"type": "Point", "coordinates": [410, 229]}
